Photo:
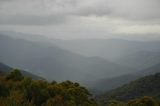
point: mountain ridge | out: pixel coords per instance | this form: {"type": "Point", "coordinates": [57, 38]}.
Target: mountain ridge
{"type": "Point", "coordinates": [107, 84]}
{"type": "Point", "coordinates": [5, 69]}
{"type": "Point", "coordinates": [58, 63]}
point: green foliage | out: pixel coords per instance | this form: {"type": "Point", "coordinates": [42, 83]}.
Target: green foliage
{"type": "Point", "coordinates": [144, 101]}
{"type": "Point", "coordinates": [3, 89]}
{"type": "Point", "coordinates": [15, 75]}
{"type": "Point", "coordinates": [148, 85]}
{"type": "Point", "coordinates": [16, 90]}
{"type": "Point", "coordinates": [116, 103]}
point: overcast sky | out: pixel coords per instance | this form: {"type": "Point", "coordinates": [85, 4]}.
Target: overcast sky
{"type": "Point", "coordinates": [73, 19]}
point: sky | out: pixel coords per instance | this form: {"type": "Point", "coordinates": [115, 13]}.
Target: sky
{"type": "Point", "coordinates": [80, 19]}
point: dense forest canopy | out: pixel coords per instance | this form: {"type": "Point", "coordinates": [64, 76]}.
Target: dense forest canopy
{"type": "Point", "coordinates": [143, 101]}
{"type": "Point", "coordinates": [17, 90]}
{"type": "Point", "coordinates": [145, 89]}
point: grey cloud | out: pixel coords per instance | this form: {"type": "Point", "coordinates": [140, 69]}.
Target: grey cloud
{"type": "Point", "coordinates": [60, 10]}
{"type": "Point", "coordinates": [98, 8]}
{"type": "Point", "coordinates": [32, 20]}
{"type": "Point", "coordinates": [129, 9]}
{"type": "Point", "coordinates": [136, 9]}
{"type": "Point", "coordinates": [4, 0]}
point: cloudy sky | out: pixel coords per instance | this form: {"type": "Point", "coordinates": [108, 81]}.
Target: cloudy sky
{"type": "Point", "coordinates": [73, 19]}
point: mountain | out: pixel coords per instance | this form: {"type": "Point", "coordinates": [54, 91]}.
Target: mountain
{"type": "Point", "coordinates": [54, 63]}
{"type": "Point", "coordinates": [111, 49]}
{"type": "Point", "coordinates": [107, 84]}
{"type": "Point", "coordinates": [140, 60]}
{"type": "Point", "coordinates": [4, 69]}
{"type": "Point", "coordinates": [150, 70]}
{"type": "Point", "coordinates": [26, 36]}
{"type": "Point", "coordinates": [136, 54]}
{"type": "Point", "coordinates": [145, 86]}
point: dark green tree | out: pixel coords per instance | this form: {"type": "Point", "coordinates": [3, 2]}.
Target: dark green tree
{"type": "Point", "coordinates": [15, 75]}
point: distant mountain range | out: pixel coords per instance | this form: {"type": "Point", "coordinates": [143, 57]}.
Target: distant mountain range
{"type": "Point", "coordinates": [101, 64]}
{"type": "Point", "coordinates": [112, 83]}
{"type": "Point", "coordinates": [54, 63]}
{"type": "Point", "coordinates": [145, 86]}
{"type": "Point", "coordinates": [4, 70]}
{"type": "Point", "coordinates": [110, 49]}
{"type": "Point", "coordinates": [140, 60]}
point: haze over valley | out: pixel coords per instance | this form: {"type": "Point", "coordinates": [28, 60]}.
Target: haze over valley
{"type": "Point", "coordinates": [79, 52]}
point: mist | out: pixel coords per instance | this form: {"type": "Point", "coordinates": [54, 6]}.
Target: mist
{"type": "Point", "coordinates": [102, 44]}
{"type": "Point", "coordinates": [81, 19]}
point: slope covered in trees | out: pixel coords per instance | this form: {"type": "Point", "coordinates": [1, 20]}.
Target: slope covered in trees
{"type": "Point", "coordinates": [17, 90]}
{"type": "Point", "coordinates": [143, 101]}
{"type": "Point", "coordinates": [107, 84]}
{"type": "Point", "coordinates": [146, 86]}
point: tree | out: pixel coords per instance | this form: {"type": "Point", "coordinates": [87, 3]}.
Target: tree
{"type": "Point", "coordinates": [16, 90]}
{"type": "Point", "coordinates": [145, 101]}
{"type": "Point", "coordinates": [15, 75]}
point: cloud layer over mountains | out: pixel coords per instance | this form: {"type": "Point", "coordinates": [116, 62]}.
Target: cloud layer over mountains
{"type": "Point", "coordinates": [81, 18]}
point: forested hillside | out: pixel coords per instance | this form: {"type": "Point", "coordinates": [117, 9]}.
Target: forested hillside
{"type": "Point", "coordinates": [146, 86]}
{"type": "Point", "coordinates": [17, 90]}
{"type": "Point", "coordinates": [114, 82]}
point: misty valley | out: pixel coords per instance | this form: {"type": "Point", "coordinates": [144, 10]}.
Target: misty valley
{"type": "Point", "coordinates": [79, 53]}
{"type": "Point", "coordinates": [78, 72]}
